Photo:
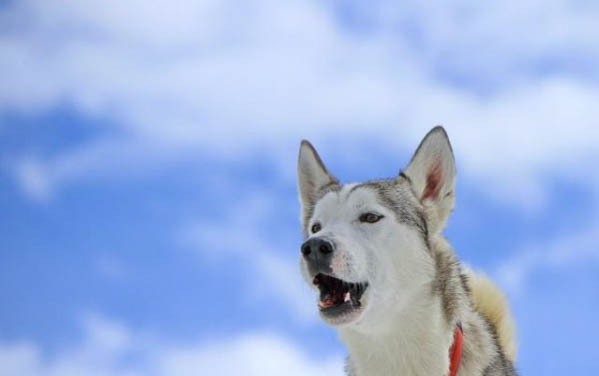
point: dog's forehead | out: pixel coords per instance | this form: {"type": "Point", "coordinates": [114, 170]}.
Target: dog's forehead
{"type": "Point", "coordinates": [368, 195]}
{"type": "Point", "coordinates": [358, 195]}
{"type": "Point", "coordinates": [391, 194]}
{"type": "Point", "coordinates": [350, 196]}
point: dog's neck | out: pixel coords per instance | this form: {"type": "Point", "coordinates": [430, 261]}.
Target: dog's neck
{"type": "Point", "coordinates": [415, 341]}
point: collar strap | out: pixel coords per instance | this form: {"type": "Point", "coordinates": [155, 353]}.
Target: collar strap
{"type": "Point", "coordinates": [455, 351]}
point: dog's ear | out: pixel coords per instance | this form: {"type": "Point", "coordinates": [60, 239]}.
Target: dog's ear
{"type": "Point", "coordinates": [432, 175]}
{"type": "Point", "coordinates": [312, 176]}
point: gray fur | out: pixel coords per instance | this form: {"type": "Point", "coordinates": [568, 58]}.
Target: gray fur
{"type": "Point", "coordinates": [395, 194]}
{"type": "Point", "coordinates": [481, 345]}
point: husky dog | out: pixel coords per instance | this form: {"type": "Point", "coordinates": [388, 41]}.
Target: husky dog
{"type": "Point", "coordinates": [387, 278]}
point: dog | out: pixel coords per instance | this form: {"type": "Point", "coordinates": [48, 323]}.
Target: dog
{"type": "Point", "coordinates": [388, 280]}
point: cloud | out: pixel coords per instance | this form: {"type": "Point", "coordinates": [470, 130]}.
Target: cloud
{"type": "Point", "coordinates": [228, 79]}
{"type": "Point", "coordinates": [19, 359]}
{"type": "Point", "coordinates": [493, 46]}
{"type": "Point", "coordinates": [31, 174]}
{"type": "Point", "coordinates": [556, 253]}
{"type": "Point", "coordinates": [99, 353]}
{"type": "Point", "coordinates": [250, 355]}
{"type": "Point", "coordinates": [110, 349]}
{"type": "Point", "coordinates": [239, 237]}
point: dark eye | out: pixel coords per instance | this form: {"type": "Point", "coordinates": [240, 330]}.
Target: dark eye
{"type": "Point", "coordinates": [316, 227]}
{"type": "Point", "coordinates": [370, 218]}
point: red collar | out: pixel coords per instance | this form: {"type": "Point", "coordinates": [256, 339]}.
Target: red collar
{"type": "Point", "coordinates": [455, 351]}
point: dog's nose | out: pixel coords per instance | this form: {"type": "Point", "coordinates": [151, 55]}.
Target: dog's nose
{"type": "Point", "coordinates": [318, 253]}
{"type": "Point", "coordinates": [316, 247]}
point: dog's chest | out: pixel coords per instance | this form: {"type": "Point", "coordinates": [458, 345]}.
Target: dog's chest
{"type": "Point", "coordinates": [388, 361]}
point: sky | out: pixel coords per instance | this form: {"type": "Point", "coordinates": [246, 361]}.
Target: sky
{"type": "Point", "coordinates": [150, 219]}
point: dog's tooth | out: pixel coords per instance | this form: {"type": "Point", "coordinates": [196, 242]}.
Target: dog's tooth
{"type": "Point", "coordinates": [347, 297]}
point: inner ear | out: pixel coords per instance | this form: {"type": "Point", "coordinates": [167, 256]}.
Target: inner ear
{"type": "Point", "coordinates": [434, 179]}
{"type": "Point", "coordinates": [432, 168]}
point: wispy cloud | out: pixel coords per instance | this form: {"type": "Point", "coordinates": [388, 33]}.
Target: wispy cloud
{"type": "Point", "coordinates": [552, 253]}
{"type": "Point", "coordinates": [239, 237]}
{"type": "Point", "coordinates": [110, 349]}
{"type": "Point", "coordinates": [32, 176]}
{"type": "Point", "coordinates": [251, 355]}
{"type": "Point", "coordinates": [208, 77]}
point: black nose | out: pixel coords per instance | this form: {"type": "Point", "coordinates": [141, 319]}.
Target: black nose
{"type": "Point", "coordinates": [318, 252]}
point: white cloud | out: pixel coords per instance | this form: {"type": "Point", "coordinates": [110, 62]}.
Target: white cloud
{"type": "Point", "coordinates": [99, 353]}
{"type": "Point", "coordinates": [493, 40]}
{"type": "Point", "coordinates": [555, 253]}
{"type": "Point", "coordinates": [32, 176]}
{"type": "Point", "coordinates": [225, 78]}
{"type": "Point", "coordinates": [19, 359]}
{"type": "Point", "coordinates": [237, 237]}
{"type": "Point", "coordinates": [111, 349]}
{"type": "Point", "coordinates": [249, 355]}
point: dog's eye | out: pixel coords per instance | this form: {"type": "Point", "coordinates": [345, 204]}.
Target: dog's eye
{"type": "Point", "coordinates": [316, 227]}
{"type": "Point", "coordinates": [370, 218]}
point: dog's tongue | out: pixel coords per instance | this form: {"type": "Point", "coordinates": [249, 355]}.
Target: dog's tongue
{"type": "Point", "coordinates": [327, 302]}
{"type": "Point", "coordinates": [331, 300]}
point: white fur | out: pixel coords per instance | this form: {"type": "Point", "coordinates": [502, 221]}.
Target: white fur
{"type": "Point", "coordinates": [397, 320]}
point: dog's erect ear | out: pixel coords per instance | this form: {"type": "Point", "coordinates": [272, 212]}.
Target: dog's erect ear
{"type": "Point", "coordinates": [312, 176]}
{"type": "Point", "coordinates": [432, 174]}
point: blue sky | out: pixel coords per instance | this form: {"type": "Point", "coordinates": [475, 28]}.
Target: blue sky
{"type": "Point", "coordinates": [147, 171]}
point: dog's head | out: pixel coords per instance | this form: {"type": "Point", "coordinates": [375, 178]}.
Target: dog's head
{"type": "Point", "coordinates": [367, 245]}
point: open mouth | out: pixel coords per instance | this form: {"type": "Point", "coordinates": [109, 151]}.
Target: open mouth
{"type": "Point", "coordinates": [338, 297]}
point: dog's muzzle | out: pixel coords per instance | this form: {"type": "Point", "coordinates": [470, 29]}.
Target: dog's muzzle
{"type": "Point", "coordinates": [340, 301]}
{"type": "Point", "coordinates": [318, 253]}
